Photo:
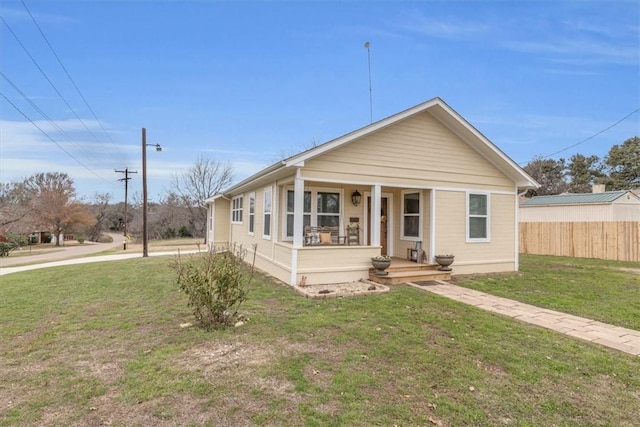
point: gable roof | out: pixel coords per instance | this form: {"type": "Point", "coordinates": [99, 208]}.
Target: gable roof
{"type": "Point", "coordinates": [576, 199]}
{"type": "Point", "coordinates": [439, 110]}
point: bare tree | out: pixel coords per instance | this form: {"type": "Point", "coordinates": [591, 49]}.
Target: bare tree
{"type": "Point", "coordinates": [205, 179]}
{"type": "Point", "coordinates": [16, 208]}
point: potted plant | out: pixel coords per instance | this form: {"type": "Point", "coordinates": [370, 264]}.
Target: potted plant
{"type": "Point", "coordinates": [444, 261]}
{"type": "Point", "coordinates": [381, 263]}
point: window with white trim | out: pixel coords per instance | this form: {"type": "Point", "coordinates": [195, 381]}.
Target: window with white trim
{"type": "Point", "coordinates": [321, 208]}
{"type": "Point", "coordinates": [477, 217]}
{"type": "Point", "coordinates": [266, 233]}
{"type": "Point", "coordinates": [411, 215]}
{"type": "Point", "coordinates": [236, 210]}
{"type": "Point", "coordinates": [252, 212]}
{"type": "Point", "coordinates": [328, 209]}
{"type": "Point", "coordinates": [306, 209]}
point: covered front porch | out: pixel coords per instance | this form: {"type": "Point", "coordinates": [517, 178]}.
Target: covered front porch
{"type": "Point", "coordinates": [334, 229]}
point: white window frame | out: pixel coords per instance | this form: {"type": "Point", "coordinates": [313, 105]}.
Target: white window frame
{"type": "Point", "coordinates": [267, 196]}
{"type": "Point", "coordinates": [419, 215]}
{"type": "Point", "coordinates": [314, 208]}
{"type": "Point", "coordinates": [251, 225]}
{"type": "Point", "coordinates": [288, 213]}
{"type": "Point", "coordinates": [486, 216]}
{"type": "Point", "coordinates": [236, 209]}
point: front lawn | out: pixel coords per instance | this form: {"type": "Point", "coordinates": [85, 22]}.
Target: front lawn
{"type": "Point", "coordinates": [104, 344]}
{"type": "Point", "coordinates": [608, 291]}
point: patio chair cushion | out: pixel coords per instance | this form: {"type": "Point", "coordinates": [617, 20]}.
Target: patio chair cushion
{"type": "Point", "coordinates": [325, 238]}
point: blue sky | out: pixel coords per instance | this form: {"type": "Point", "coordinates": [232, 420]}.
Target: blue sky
{"type": "Point", "coordinates": [250, 82]}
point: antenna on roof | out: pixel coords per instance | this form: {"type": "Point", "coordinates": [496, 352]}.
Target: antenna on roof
{"type": "Point", "coordinates": [367, 45]}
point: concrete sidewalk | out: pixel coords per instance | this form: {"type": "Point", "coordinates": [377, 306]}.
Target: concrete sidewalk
{"type": "Point", "coordinates": [626, 340]}
{"type": "Point", "coordinates": [9, 270]}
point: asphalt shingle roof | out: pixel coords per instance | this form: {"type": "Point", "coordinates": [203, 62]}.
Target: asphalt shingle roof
{"type": "Point", "coordinates": [574, 199]}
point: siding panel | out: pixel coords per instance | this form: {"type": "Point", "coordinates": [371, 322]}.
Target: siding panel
{"type": "Point", "coordinates": [418, 151]}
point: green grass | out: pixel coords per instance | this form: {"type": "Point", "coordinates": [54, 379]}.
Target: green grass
{"type": "Point", "coordinates": [608, 291]}
{"type": "Point", "coordinates": [100, 344]}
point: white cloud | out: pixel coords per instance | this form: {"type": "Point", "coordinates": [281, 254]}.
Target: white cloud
{"type": "Point", "coordinates": [417, 22]}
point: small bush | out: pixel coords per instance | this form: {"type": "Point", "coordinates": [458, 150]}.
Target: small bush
{"type": "Point", "coordinates": [6, 248]}
{"type": "Point", "coordinates": [81, 238]}
{"type": "Point", "coordinates": [215, 284]}
{"type": "Point", "coordinates": [184, 232]}
{"type": "Point", "coordinates": [13, 242]}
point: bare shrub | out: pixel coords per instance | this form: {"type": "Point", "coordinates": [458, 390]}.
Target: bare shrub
{"type": "Point", "coordinates": [216, 284]}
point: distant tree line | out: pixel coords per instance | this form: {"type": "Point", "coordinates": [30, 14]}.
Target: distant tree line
{"type": "Point", "coordinates": [47, 202]}
{"type": "Point", "coordinates": [619, 170]}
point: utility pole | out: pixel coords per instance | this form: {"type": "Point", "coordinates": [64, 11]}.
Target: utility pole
{"type": "Point", "coordinates": [126, 179]}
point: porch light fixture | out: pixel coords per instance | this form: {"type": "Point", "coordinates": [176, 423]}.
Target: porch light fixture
{"type": "Point", "coordinates": [356, 197]}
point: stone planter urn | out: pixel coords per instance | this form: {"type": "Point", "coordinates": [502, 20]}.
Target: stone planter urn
{"type": "Point", "coordinates": [381, 264]}
{"type": "Point", "coordinates": [444, 261]}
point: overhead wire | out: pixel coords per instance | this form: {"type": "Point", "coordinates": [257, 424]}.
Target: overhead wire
{"type": "Point", "coordinates": [589, 138]}
{"type": "Point", "coordinates": [43, 114]}
{"type": "Point", "coordinates": [48, 79]}
{"type": "Point", "coordinates": [66, 71]}
{"type": "Point", "coordinates": [51, 138]}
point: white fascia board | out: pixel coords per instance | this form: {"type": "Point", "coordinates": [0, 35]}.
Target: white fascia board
{"type": "Point", "coordinates": [488, 149]}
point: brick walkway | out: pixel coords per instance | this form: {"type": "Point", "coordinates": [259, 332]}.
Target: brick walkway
{"type": "Point", "coordinates": [626, 340]}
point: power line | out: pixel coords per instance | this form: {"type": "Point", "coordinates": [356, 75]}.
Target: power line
{"type": "Point", "coordinates": [48, 79]}
{"type": "Point", "coordinates": [42, 113]}
{"type": "Point", "coordinates": [591, 137]}
{"type": "Point", "coordinates": [65, 70]}
{"type": "Point", "coordinates": [52, 140]}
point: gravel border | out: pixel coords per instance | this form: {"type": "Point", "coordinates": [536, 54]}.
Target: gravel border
{"type": "Point", "coordinates": [339, 290]}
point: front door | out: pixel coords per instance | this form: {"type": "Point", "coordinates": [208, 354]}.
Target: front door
{"type": "Point", "coordinates": [383, 223]}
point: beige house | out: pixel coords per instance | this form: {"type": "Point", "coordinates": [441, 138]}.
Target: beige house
{"type": "Point", "coordinates": [416, 184]}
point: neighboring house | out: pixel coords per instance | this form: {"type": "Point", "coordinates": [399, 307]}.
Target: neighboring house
{"type": "Point", "coordinates": [602, 225]}
{"type": "Point", "coordinates": [421, 178]}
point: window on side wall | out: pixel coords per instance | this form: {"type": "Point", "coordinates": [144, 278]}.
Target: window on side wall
{"type": "Point", "coordinates": [252, 212]}
{"type": "Point", "coordinates": [236, 210]}
{"type": "Point", "coordinates": [477, 217]}
{"type": "Point", "coordinates": [411, 215]}
{"type": "Point", "coordinates": [267, 214]}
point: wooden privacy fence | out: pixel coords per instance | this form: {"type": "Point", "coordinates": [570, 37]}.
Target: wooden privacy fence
{"type": "Point", "coordinates": [619, 241]}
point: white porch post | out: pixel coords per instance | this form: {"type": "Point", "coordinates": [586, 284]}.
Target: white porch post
{"type": "Point", "coordinates": [376, 205]}
{"type": "Point", "coordinates": [432, 226]}
{"type": "Point", "coordinates": [298, 216]}
{"type": "Point", "coordinates": [298, 210]}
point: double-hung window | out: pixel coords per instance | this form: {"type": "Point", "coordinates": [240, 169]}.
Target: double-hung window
{"type": "Point", "coordinates": [411, 215]}
{"type": "Point", "coordinates": [477, 217]}
{"type": "Point", "coordinates": [328, 210]}
{"type": "Point", "coordinates": [266, 233]}
{"type": "Point", "coordinates": [236, 210]}
{"type": "Point", "coordinates": [321, 208]}
{"type": "Point", "coordinates": [306, 209]}
{"type": "Point", "coordinates": [252, 213]}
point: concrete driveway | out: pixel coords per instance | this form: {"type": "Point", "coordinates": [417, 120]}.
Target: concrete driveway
{"type": "Point", "coordinates": [54, 253]}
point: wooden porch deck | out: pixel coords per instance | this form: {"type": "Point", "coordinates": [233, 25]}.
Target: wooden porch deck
{"type": "Point", "coordinates": [402, 271]}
